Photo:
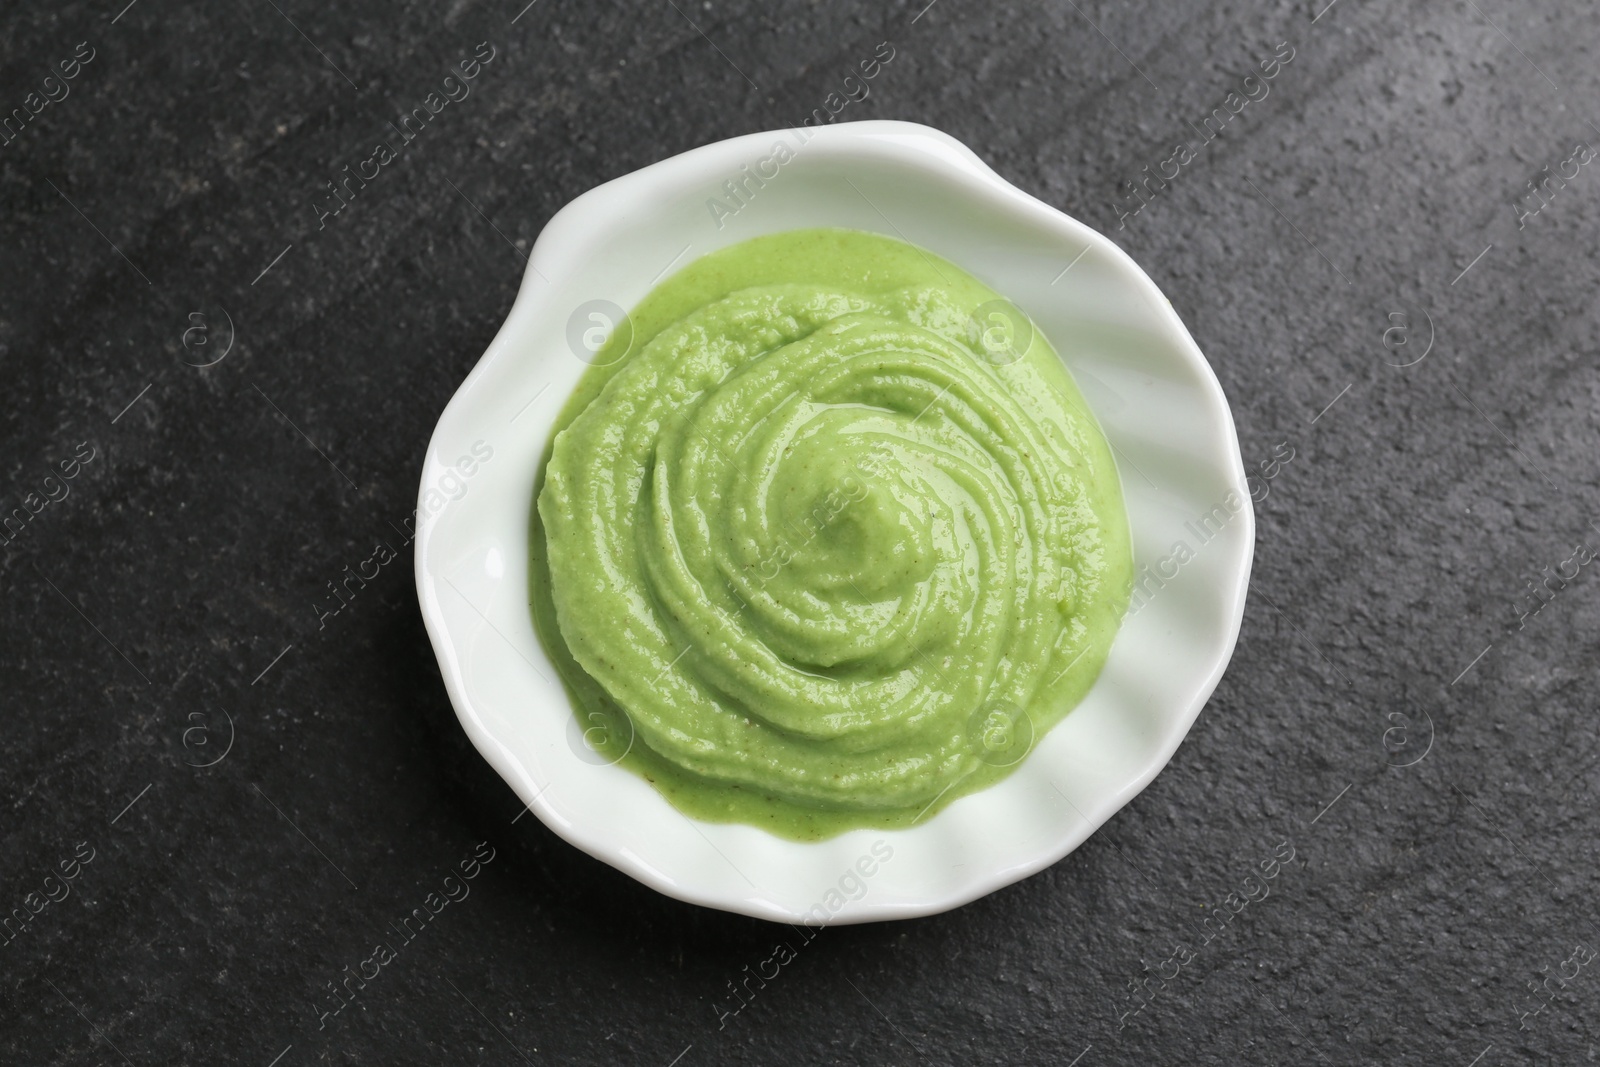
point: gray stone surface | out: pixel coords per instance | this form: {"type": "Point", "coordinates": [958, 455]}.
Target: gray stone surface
{"type": "Point", "coordinates": [1432, 912]}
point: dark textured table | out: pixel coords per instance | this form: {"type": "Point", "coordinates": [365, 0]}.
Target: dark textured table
{"type": "Point", "coordinates": [219, 794]}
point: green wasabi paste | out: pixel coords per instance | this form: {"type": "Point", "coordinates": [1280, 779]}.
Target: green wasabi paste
{"type": "Point", "coordinates": [826, 539]}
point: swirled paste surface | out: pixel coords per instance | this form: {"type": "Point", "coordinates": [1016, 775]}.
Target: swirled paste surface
{"type": "Point", "coordinates": [827, 538]}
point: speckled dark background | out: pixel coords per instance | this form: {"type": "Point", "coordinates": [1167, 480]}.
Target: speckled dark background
{"type": "Point", "coordinates": [1427, 756]}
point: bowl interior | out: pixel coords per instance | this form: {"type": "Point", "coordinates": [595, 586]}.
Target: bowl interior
{"type": "Point", "coordinates": [1157, 401]}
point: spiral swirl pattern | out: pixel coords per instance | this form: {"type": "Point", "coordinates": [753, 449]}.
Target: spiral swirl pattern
{"type": "Point", "coordinates": [811, 536]}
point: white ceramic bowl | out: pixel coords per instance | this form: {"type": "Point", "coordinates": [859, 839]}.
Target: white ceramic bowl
{"type": "Point", "coordinates": [1156, 398]}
